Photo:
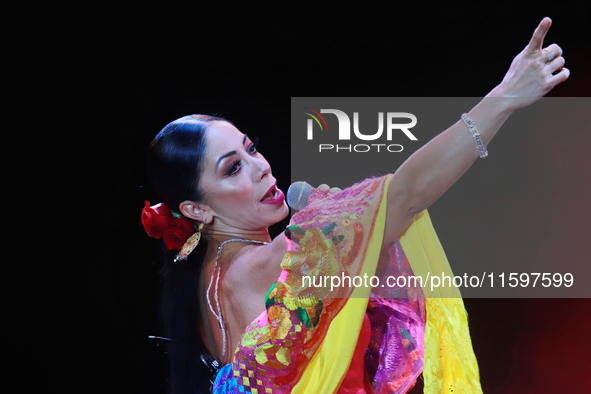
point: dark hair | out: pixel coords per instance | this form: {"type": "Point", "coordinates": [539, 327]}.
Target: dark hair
{"type": "Point", "coordinates": [174, 164]}
{"type": "Point", "coordinates": [174, 160]}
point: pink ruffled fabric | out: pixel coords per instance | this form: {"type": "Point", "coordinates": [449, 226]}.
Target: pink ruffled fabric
{"type": "Point", "coordinates": [276, 347]}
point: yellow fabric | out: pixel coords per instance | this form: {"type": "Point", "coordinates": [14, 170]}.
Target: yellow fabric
{"type": "Point", "coordinates": [326, 370]}
{"type": "Point", "coordinates": [450, 364]}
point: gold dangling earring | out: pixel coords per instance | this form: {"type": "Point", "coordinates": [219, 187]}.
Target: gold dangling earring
{"type": "Point", "coordinates": [190, 245]}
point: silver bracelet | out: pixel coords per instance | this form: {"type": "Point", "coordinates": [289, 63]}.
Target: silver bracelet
{"type": "Point", "coordinates": [477, 137]}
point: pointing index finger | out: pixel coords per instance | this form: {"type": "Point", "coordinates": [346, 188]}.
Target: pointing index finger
{"type": "Point", "coordinates": [537, 39]}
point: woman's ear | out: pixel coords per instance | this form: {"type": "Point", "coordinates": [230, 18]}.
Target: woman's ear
{"type": "Point", "coordinates": [196, 211]}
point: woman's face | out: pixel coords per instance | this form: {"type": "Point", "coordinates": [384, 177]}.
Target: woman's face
{"type": "Point", "coordinates": [240, 190]}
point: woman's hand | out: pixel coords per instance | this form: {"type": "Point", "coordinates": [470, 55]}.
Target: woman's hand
{"type": "Point", "coordinates": [324, 188]}
{"type": "Point", "coordinates": [531, 74]}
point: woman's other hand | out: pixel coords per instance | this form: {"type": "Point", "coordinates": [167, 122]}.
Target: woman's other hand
{"type": "Point", "coordinates": [324, 188]}
{"type": "Point", "coordinates": [534, 72]}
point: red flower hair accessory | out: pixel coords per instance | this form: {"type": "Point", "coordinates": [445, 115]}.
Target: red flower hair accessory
{"type": "Point", "coordinates": [160, 222]}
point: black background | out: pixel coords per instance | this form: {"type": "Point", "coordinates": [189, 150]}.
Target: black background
{"type": "Point", "coordinates": [107, 79]}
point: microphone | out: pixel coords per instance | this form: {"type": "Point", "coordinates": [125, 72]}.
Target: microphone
{"type": "Point", "coordinates": [298, 195]}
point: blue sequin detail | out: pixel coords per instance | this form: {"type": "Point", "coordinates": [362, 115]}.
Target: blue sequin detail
{"type": "Point", "coordinates": [225, 382]}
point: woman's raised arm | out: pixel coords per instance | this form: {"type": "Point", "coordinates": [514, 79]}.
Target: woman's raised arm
{"type": "Point", "coordinates": [435, 167]}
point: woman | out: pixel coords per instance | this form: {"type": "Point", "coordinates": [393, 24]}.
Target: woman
{"type": "Point", "coordinates": [220, 197]}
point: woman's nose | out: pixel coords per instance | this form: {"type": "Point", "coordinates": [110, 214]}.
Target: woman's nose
{"type": "Point", "coordinates": [261, 168]}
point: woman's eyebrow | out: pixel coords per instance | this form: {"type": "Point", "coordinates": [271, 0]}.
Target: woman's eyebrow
{"type": "Point", "coordinates": [228, 154]}
{"type": "Point", "coordinates": [222, 158]}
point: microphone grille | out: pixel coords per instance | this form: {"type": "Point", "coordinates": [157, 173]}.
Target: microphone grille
{"type": "Point", "coordinates": [298, 195]}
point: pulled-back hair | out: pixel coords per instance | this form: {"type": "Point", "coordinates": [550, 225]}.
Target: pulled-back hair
{"type": "Point", "coordinates": [175, 159]}
{"type": "Point", "coordinates": [174, 163]}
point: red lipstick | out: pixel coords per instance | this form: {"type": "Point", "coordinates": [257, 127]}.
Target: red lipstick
{"type": "Point", "coordinates": [274, 196]}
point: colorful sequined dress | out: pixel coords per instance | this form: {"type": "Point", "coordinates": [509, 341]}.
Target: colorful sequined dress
{"type": "Point", "coordinates": [352, 337]}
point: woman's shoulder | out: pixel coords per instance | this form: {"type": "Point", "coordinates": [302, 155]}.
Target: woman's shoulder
{"type": "Point", "coordinates": [259, 263]}
{"type": "Point", "coordinates": [253, 272]}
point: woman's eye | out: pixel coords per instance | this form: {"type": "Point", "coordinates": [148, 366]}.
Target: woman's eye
{"type": "Point", "coordinates": [234, 167]}
{"type": "Point", "coordinates": [252, 148]}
